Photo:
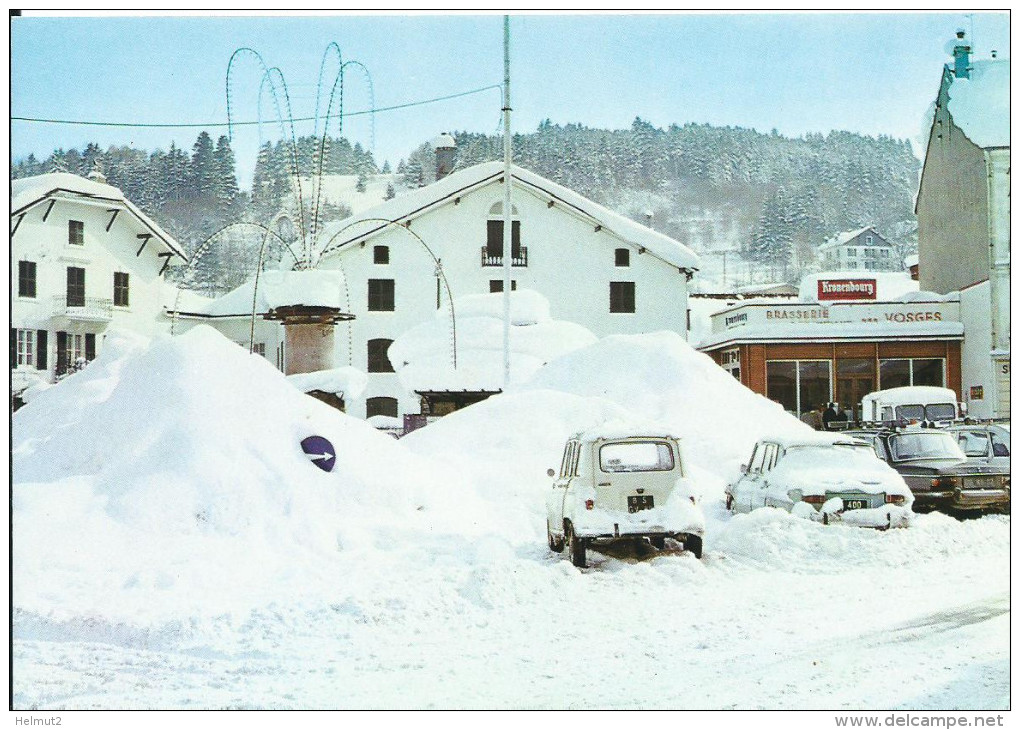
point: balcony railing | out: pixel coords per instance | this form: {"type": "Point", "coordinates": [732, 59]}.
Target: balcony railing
{"type": "Point", "coordinates": [519, 257]}
{"type": "Point", "coordinates": [89, 309]}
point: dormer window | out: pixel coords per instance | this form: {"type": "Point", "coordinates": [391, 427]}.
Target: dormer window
{"type": "Point", "coordinates": [623, 257]}
{"type": "Point", "coordinates": [76, 233]}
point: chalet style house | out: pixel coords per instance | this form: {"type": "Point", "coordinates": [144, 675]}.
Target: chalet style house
{"type": "Point", "coordinates": [84, 258]}
{"type": "Point", "coordinates": [860, 250]}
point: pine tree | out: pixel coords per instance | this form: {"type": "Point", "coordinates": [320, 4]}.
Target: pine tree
{"type": "Point", "coordinates": [203, 172]}
{"type": "Point", "coordinates": [226, 179]}
{"type": "Point", "coordinates": [390, 192]}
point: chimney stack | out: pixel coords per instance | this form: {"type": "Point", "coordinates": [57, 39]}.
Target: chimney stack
{"type": "Point", "coordinates": [445, 147]}
{"type": "Point", "coordinates": [961, 56]}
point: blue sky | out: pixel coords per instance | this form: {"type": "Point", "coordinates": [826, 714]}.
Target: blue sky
{"type": "Point", "coordinates": [797, 73]}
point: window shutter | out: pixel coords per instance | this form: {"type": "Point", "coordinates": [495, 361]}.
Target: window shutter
{"type": "Point", "coordinates": [90, 347]}
{"type": "Point", "coordinates": [14, 348]}
{"type": "Point", "coordinates": [494, 238]}
{"type": "Point", "coordinates": [515, 239]}
{"type": "Point", "coordinates": [61, 353]}
{"type": "Point", "coordinates": [40, 355]}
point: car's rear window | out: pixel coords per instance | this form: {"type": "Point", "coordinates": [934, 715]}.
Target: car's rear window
{"type": "Point", "coordinates": [636, 456]}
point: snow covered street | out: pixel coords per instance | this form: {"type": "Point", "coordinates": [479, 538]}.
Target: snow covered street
{"type": "Point", "coordinates": [211, 566]}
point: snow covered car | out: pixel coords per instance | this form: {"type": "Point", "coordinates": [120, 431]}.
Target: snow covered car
{"type": "Point", "coordinates": [824, 477]}
{"type": "Point", "coordinates": [937, 471]}
{"type": "Point", "coordinates": [622, 486]}
{"type": "Point", "coordinates": [984, 443]}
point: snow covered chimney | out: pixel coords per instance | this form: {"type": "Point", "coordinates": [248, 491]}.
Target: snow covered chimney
{"type": "Point", "coordinates": [445, 147]}
{"type": "Point", "coordinates": [961, 56]}
{"type": "Point", "coordinates": [96, 173]}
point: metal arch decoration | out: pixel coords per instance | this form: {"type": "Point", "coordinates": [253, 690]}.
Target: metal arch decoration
{"type": "Point", "coordinates": [328, 248]}
{"type": "Point", "coordinates": [204, 248]}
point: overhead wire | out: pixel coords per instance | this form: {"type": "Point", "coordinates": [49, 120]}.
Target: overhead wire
{"type": "Point", "coordinates": [87, 123]}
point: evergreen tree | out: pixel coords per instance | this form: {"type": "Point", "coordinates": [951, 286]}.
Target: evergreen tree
{"type": "Point", "coordinates": [226, 179]}
{"type": "Point", "coordinates": [203, 172]}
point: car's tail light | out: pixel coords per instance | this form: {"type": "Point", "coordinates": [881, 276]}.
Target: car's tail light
{"type": "Point", "coordinates": [944, 482]}
{"type": "Point", "coordinates": [814, 498]}
{"type": "Point", "coordinates": [895, 499]}
{"type": "Point", "coordinates": [589, 504]}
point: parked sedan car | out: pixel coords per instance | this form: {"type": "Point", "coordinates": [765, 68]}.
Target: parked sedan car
{"type": "Point", "coordinates": [824, 477]}
{"type": "Point", "coordinates": [984, 443]}
{"type": "Point", "coordinates": [937, 470]}
{"type": "Point", "coordinates": [622, 486]}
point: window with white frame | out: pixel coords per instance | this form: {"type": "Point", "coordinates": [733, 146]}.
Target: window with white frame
{"type": "Point", "coordinates": [26, 347]}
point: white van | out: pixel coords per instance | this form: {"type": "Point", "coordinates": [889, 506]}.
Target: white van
{"type": "Point", "coordinates": [912, 403]}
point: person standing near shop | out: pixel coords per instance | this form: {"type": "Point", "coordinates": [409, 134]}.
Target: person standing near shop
{"type": "Point", "coordinates": [830, 415]}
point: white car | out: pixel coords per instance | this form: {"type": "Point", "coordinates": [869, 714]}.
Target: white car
{"type": "Point", "coordinates": [622, 485]}
{"type": "Point", "coordinates": [825, 477]}
{"type": "Point", "coordinates": [984, 443]}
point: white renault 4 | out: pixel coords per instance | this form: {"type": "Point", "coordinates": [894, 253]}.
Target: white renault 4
{"type": "Point", "coordinates": [622, 485]}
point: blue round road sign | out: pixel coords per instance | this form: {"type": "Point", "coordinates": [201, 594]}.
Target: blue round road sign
{"type": "Point", "coordinates": [320, 451]}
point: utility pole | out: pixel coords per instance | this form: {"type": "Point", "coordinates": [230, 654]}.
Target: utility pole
{"type": "Point", "coordinates": [507, 207]}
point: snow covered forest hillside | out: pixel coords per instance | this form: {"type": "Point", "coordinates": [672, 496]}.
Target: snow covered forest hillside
{"type": "Point", "coordinates": [716, 189]}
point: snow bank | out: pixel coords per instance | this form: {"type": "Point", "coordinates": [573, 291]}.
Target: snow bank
{"type": "Point", "coordinates": [659, 377]}
{"type": "Point", "coordinates": [167, 480]}
{"type": "Point", "coordinates": [347, 381]}
{"type": "Point", "coordinates": [423, 356]}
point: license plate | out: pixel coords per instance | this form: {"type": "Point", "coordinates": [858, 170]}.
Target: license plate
{"type": "Point", "coordinates": [980, 482]}
{"type": "Point", "coordinates": [855, 504]}
{"type": "Point", "coordinates": [640, 502]}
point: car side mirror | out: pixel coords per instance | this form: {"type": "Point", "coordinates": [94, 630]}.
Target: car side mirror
{"type": "Point", "coordinates": [550, 472]}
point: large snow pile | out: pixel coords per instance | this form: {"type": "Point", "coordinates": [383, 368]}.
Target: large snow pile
{"type": "Point", "coordinates": [662, 378]}
{"type": "Point", "coordinates": [505, 444]}
{"type": "Point", "coordinates": [423, 356]}
{"type": "Point", "coordinates": [167, 479]}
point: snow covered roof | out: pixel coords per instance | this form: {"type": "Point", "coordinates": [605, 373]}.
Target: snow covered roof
{"type": "Point", "coordinates": [979, 105]}
{"type": "Point", "coordinates": [818, 438]}
{"type": "Point", "coordinates": [835, 332]}
{"type": "Point", "coordinates": [423, 356]}
{"type": "Point", "coordinates": [28, 192]}
{"type": "Point", "coordinates": [845, 237]}
{"type": "Point", "coordinates": [312, 288]}
{"type": "Point", "coordinates": [911, 394]}
{"type": "Point", "coordinates": [410, 205]}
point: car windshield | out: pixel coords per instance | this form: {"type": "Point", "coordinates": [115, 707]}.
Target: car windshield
{"type": "Point", "coordinates": [940, 411]}
{"type": "Point", "coordinates": [636, 456]}
{"type": "Point", "coordinates": [973, 443]}
{"type": "Point", "coordinates": [924, 445]}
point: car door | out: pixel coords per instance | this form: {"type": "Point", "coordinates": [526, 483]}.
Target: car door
{"type": "Point", "coordinates": [746, 488]}
{"type": "Point", "coordinates": [559, 488]}
{"type": "Point", "coordinates": [1000, 447]}
{"type": "Point", "coordinates": [760, 497]}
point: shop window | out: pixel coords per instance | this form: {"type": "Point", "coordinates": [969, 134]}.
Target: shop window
{"type": "Point", "coordinates": [381, 295]}
{"type": "Point", "coordinates": [893, 373]}
{"type": "Point", "coordinates": [623, 257]}
{"type": "Point", "coordinates": [381, 255]}
{"type": "Point", "coordinates": [622, 297]}
{"type": "Point", "coordinates": [381, 406]}
{"type": "Point", "coordinates": [378, 360]}
{"type": "Point", "coordinates": [799, 386]}
{"type": "Point", "coordinates": [927, 372]}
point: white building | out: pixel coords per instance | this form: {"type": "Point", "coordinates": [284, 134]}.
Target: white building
{"type": "Point", "coordinates": [963, 218]}
{"type": "Point", "coordinates": [596, 268]}
{"type": "Point", "coordinates": [84, 258]}
{"type": "Point", "coordinates": [860, 250]}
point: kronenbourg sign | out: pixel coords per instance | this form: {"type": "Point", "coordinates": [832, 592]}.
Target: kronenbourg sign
{"type": "Point", "coordinates": [840, 289]}
{"type": "Point", "coordinates": [320, 451]}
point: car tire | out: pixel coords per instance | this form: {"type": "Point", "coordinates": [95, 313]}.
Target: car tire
{"type": "Point", "coordinates": [692, 543]}
{"type": "Point", "coordinates": [577, 548]}
{"type": "Point", "coordinates": [555, 543]}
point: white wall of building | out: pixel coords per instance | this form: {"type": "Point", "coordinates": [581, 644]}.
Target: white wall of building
{"type": "Point", "coordinates": [975, 362]}
{"type": "Point", "coordinates": [568, 262]}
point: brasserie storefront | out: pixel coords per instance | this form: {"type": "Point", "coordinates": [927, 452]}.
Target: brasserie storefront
{"type": "Point", "coordinates": [805, 354]}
